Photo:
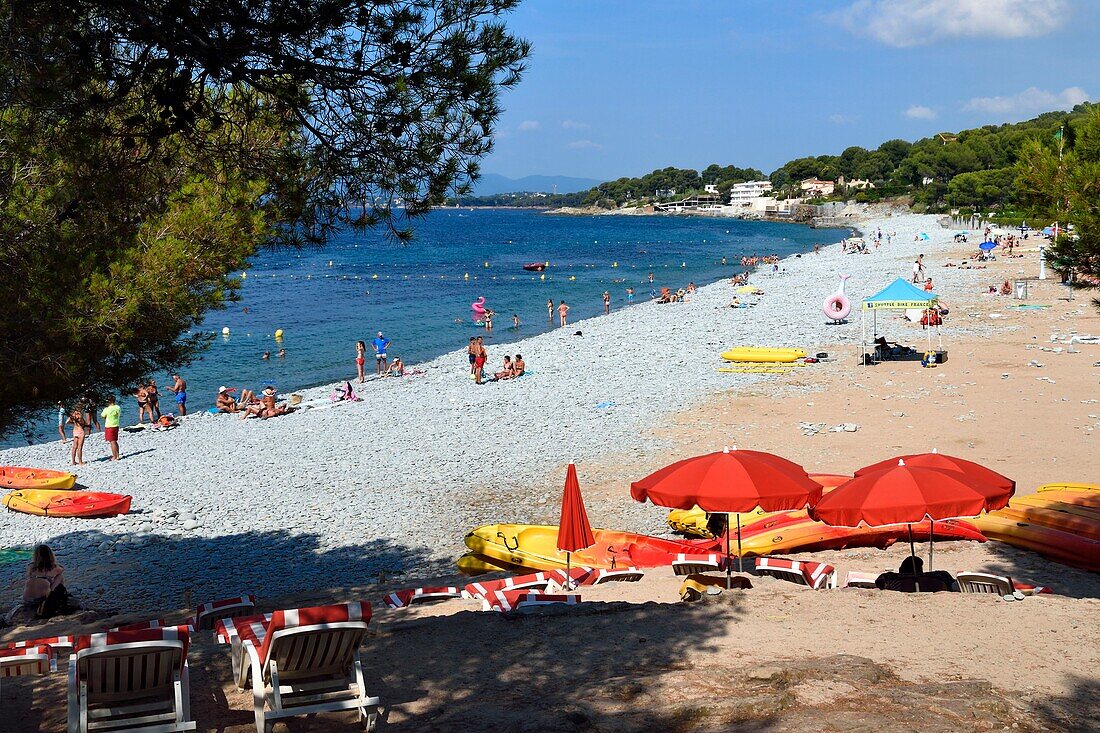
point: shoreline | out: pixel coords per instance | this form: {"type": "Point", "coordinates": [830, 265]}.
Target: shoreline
{"type": "Point", "coordinates": [426, 458]}
{"type": "Point", "coordinates": [503, 336]}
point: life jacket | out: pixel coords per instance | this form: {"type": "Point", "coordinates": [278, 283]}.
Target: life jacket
{"type": "Point", "coordinates": [931, 317]}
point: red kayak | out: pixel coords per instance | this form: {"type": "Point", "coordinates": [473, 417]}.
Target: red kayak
{"type": "Point", "coordinates": [53, 503]}
{"type": "Point", "coordinates": [535, 266]}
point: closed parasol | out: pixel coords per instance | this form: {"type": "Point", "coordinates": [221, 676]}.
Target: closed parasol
{"type": "Point", "coordinates": [574, 531]}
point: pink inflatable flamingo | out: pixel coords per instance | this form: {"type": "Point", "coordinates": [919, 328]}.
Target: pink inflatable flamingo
{"type": "Point", "coordinates": [837, 306]}
{"type": "Point", "coordinates": [478, 307]}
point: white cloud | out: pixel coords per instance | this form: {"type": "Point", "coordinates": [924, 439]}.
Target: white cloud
{"type": "Point", "coordinates": [583, 145]}
{"type": "Point", "coordinates": [843, 119]}
{"type": "Point", "coordinates": [529, 125]}
{"type": "Point", "coordinates": [574, 125]}
{"type": "Point", "coordinates": [920, 112]}
{"type": "Point", "coordinates": [905, 23]}
{"type": "Point", "coordinates": [1029, 101]}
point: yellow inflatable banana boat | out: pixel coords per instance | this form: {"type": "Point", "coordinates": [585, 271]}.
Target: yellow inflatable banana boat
{"type": "Point", "coordinates": [763, 354]}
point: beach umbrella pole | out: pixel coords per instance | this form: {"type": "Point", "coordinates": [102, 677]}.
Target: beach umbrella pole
{"type": "Point", "coordinates": [568, 578]}
{"type": "Point", "coordinates": [740, 562]}
{"type": "Point", "coordinates": [729, 570]}
{"type": "Point", "coordinates": [912, 546]}
{"type": "Point", "coordinates": [931, 541]}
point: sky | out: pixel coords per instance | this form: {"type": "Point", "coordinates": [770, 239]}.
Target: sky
{"type": "Point", "coordinates": [620, 87]}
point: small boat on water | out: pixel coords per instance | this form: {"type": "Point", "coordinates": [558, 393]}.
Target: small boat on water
{"type": "Point", "coordinates": [536, 266]}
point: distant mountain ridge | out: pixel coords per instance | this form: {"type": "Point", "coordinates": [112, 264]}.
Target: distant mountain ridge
{"type": "Point", "coordinates": [491, 184]}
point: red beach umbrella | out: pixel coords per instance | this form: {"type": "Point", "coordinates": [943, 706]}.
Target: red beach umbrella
{"type": "Point", "coordinates": [730, 482]}
{"type": "Point", "coordinates": [905, 494]}
{"type": "Point", "coordinates": [1004, 486]}
{"type": "Point", "coordinates": [574, 531]}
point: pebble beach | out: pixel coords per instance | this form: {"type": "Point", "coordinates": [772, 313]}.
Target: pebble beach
{"type": "Point", "coordinates": [334, 494]}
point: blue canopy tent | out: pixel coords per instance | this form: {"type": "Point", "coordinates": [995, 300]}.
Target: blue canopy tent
{"type": "Point", "coordinates": [897, 296]}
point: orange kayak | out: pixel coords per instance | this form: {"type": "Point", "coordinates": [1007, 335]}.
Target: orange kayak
{"type": "Point", "coordinates": [18, 477]}
{"type": "Point", "coordinates": [55, 503]}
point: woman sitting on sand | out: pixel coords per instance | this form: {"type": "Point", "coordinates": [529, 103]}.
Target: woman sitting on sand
{"type": "Point", "coordinates": [397, 368]}
{"type": "Point", "coordinates": [519, 366]}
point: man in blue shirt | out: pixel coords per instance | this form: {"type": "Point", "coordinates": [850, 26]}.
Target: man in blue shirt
{"type": "Point", "coordinates": [380, 343]}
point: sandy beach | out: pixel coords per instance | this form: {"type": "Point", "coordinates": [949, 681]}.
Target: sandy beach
{"type": "Point", "coordinates": [317, 504]}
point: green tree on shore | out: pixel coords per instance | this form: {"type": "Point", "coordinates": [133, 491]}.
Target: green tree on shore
{"type": "Point", "coordinates": [1059, 179]}
{"type": "Point", "coordinates": [149, 147]}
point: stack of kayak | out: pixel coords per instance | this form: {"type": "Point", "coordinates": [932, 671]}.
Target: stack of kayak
{"type": "Point", "coordinates": [762, 359]}
{"type": "Point", "coordinates": [50, 493]}
{"type": "Point", "coordinates": [1059, 521]}
{"type": "Point", "coordinates": [770, 533]}
{"type": "Point", "coordinates": [515, 547]}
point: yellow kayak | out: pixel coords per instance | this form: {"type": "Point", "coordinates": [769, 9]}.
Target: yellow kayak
{"type": "Point", "coordinates": [534, 546]}
{"type": "Point", "coordinates": [473, 564]}
{"type": "Point", "coordinates": [763, 354]}
{"type": "Point", "coordinates": [1068, 487]}
{"type": "Point", "coordinates": [1054, 502]}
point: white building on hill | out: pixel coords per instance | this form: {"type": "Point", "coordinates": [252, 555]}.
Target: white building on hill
{"type": "Point", "coordinates": [742, 194]}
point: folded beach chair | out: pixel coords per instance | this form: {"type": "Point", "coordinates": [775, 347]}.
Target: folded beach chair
{"type": "Point", "coordinates": [532, 581]}
{"type": "Point", "coordinates": [1032, 590]}
{"type": "Point", "coordinates": [209, 613]}
{"type": "Point", "coordinates": [814, 574]}
{"type": "Point", "coordinates": [518, 600]}
{"type": "Point", "coordinates": [690, 564]}
{"type": "Point", "coordinates": [130, 680]}
{"type": "Point", "coordinates": [857, 579]}
{"type": "Point", "coordinates": [58, 644]}
{"type": "Point", "coordinates": [411, 596]}
{"type": "Point", "coordinates": [24, 662]}
{"type": "Point", "coordinates": [984, 583]}
{"type": "Point", "coordinates": [305, 661]}
{"type": "Point", "coordinates": [696, 586]}
{"type": "Point", "coordinates": [591, 576]}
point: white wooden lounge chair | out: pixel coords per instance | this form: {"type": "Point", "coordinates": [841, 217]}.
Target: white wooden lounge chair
{"type": "Point", "coordinates": [813, 574]}
{"type": "Point", "coordinates": [691, 564]}
{"type": "Point", "coordinates": [136, 681]}
{"type": "Point", "coordinates": [25, 662]}
{"type": "Point", "coordinates": [210, 613]}
{"type": "Point", "coordinates": [306, 661]}
{"type": "Point", "coordinates": [984, 583]}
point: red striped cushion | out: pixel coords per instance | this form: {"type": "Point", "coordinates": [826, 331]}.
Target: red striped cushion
{"type": "Point", "coordinates": [512, 600]}
{"type": "Point", "coordinates": [815, 573]}
{"type": "Point", "coordinates": [311, 616]}
{"type": "Point", "coordinates": [579, 575]}
{"type": "Point", "coordinates": [481, 589]}
{"type": "Point", "coordinates": [226, 628]}
{"type": "Point", "coordinates": [223, 604]}
{"type": "Point", "coordinates": [718, 561]}
{"type": "Point", "coordinates": [29, 651]}
{"type": "Point", "coordinates": [403, 598]}
{"type": "Point", "coordinates": [55, 642]}
{"type": "Point", "coordinates": [111, 638]}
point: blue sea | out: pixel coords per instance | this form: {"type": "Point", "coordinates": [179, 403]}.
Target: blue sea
{"type": "Point", "coordinates": [419, 295]}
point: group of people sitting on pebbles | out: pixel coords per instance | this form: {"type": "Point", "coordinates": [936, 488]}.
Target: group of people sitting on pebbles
{"type": "Point", "coordinates": [667, 296]}
{"type": "Point", "coordinates": [250, 405]}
